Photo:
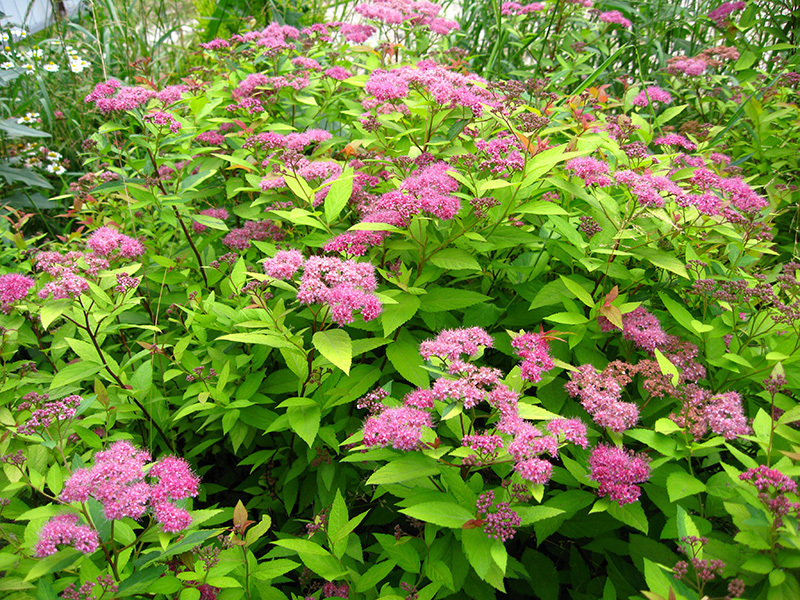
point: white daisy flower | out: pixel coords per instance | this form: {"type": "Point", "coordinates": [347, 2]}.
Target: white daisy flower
{"type": "Point", "coordinates": [51, 67]}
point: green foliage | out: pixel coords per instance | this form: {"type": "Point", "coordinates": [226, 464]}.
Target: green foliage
{"type": "Point", "coordinates": [253, 270]}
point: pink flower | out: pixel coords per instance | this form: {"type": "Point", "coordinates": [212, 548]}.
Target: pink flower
{"type": "Point", "coordinates": [642, 328]}
{"type": "Point", "coordinates": [345, 286]}
{"type": "Point", "coordinates": [536, 470]}
{"type": "Point", "coordinates": [64, 529]}
{"type": "Point", "coordinates": [720, 14]}
{"type": "Point", "coordinates": [454, 343]}
{"type": "Point", "coordinates": [533, 349]}
{"type": "Point", "coordinates": [573, 430]}
{"type": "Point", "coordinates": [239, 238]}
{"type": "Point", "coordinates": [617, 470]}
{"type": "Point", "coordinates": [105, 241]}
{"type": "Point", "coordinates": [616, 18]}
{"type": "Point", "coordinates": [674, 139]}
{"type": "Point", "coordinates": [284, 264]}
{"type": "Point", "coordinates": [13, 288]}
{"type": "Point", "coordinates": [652, 94]}
{"type": "Point", "coordinates": [399, 428]}
{"type": "Point", "coordinates": [591, 170]}
{"type": "Point", "coordinates": [502, 523]}
{"type": "Point", "coordinates": [600, 393]}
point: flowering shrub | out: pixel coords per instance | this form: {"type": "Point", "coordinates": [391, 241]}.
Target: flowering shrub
{"type": "Point", "coordinates": [453, 336]}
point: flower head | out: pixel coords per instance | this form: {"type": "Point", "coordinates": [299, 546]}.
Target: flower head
{"type": "Point", "coordinates": [618, 470]}
{"type": "Point", "coordinates": [13, 288]}
{"type": "Point", "coordinates": [64, 529]}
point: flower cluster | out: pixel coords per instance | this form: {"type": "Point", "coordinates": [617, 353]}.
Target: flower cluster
{"type": "Point", "coordinates": [773, 487]}
{"type": "Point", "coordinates": [13, 288]}
{"type": "Point", "coordinates": [600, 394]}
{"type": "Point", "coordinates": [110, 243]}
{"type": "Point", "coordinates": [721, 413]}
{"type": "Point", "coordinates": [591, 170]}
{"type": "Point", "coordinates": [452, 344]}
{"type": "Point", "coordinates": [618, 470]}
{"type": "Point", "coordinates": [534, 351]}
{"type": "Point", "coordinates": [414, 12]}
{"type": "Point", "coordinates": [641, 327]}
{"type": "Point", "coordinates": [399, 428]}
{"type": "Point", "coordinates": [68, 272]}
{"type": "Point", "coordinates": [64, 529]}
{"type": "Point", "coordinates": [652, 94]}
{"type": "Point", "coordinates": [44, 413]}
{"type": "Point", "coordinates": [117, 481]}
{"type": "Point", "coordinates": [499, 521]}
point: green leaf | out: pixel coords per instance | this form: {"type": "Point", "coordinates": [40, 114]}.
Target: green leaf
{"type": "Point", "coordinates": [578, 291]}
{"type": "Point", "coordinates": [55, 562]}
{"type": "Point", "coordinates": [444, 514]}
{"type": "Point", "coordinates": [78, 371]}
{"type": "Point", "coordinates": [50, 311]}
{"type": "Point", "coordinates": [306, 547]}
{"type": "Point", "coordinates": [567, 318]}
{"type": "Point", "coordinates": [532, 514]}
{"type": "Point", "coordinates": [336, 346]}
{"type": "Point", "coordinates": [299, 186]}
{"type": "Point", "coordinates": [263, 339]}
{"type": "Point", "coordinates": [408, 466]}
{"type": "Point", "coordinates": [680, 484]}
{"type": "Point", "coordinates": [666, 367]}
{"type": "Point", "coordinates": [212, 222]}
{"type": "Point", "coordinates": [405, 358]}
{"type": "Point", "coordinates": [478, 547]}
{"type": "Point", "coordinates": [701, 327]}
{"type": "Point", "coordinates": [446, 299]}
{"type": "Point", "coordinates": [678, 312]}
{"type": "Point", "coordinates": [271, 569]}
{"type": "Point", "coordinates": [394, 315]}
{"type": "Point", "coordinates": [338, 195]}
{"type": "Point", "coordinates": [664, 260]}
{"type": "Point", "coordinates": [304, 421]}
{"type": "Point", "coordinates": [15, 130]}
{"type": "Point", "coordinates": [541, 207]}
{"type": "Point", "coordinates": [374, 575]}
{"type": "Point", "coordinates": [455, 259]}
{"type": "Point", "coordinates": [630, 514]}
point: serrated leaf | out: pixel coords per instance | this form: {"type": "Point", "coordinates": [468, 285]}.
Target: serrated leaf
{"type": "Point", "coordinates": [336, 346]}
{"type": "Point", "coordinates": [394, 315]}
{"type": "Point", "coordinates": [444, 514]}
{"type": "Point", "coordinates": [441, 299]}
{"type": "Point", "coordinates": [304, 421]}
{"type": "Point", "coordinates": [577, 289]}
{"type": "Point", "coordinates": [455, 259]}
{"type": "Point", "coordinates": [680, 484]}
{"type": "Point", "coordinates": [406, 467]}
{"type": "Point", "coordinates": [338, 195]}
{"type": "Point", "coordinates": [666, 367]}
{"type": "Point", "coordinates": [567, 318]}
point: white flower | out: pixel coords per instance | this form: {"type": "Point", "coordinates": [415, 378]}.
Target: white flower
{"type": "Point", "coordinates": [29, 67]}
{"type": "Point", "coordinates": [31, 117]}
{"type": "Point", "coordinates": [55, 169]}
{"type": "Point", "coordinates": [51, 67]}
{"type": "Point", "coordinates": [19, 32]}
{"type": "Point", "coordinates": [78, 65]}
{"type": "Point", "coordinates": [7, 65]}
{"type": "Point", "coordinates": [53, 156]}
{"type": "Point", "coordinates": [3, 37]}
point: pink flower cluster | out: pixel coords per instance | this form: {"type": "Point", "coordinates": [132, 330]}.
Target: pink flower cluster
{"type": "Point", "coordinates": [446, 87]}
{"type": "Point", "coordinates": [512, 9]}
{"type": "Point", "coordinates": [284, 264]}
{"type": "Point", "coordinates": [13, 288]}
{"type": "Point", "coordinates": [618, 470]}
{"type": "Point", "coordinates": [413, 12]}
{"type": "Point", "coordinates": [430, 190]}
{"type": "Point", "coordinates": [67, 271]}
{"type": "Point", "coordinates": [399, 428]}
{"type": "Point", "coordinates": [111, 96]}
{"type": "Point", "coordinates": [289, 141]}
{"type": "Point", "coordinates": [505, 154]}
{"type": "Point", "coordinates": [452, 344]}
{"type": "Point", "coordinates": [534, 351]}
{"type": "Point", "coordinates": [47, 412]}
{"type": "Point", "coordinates": [721, 413]}
{"type": "Point", "coordinates": [614, 17]}
{"type": "Point", "coordinates": [499, 521]}
{"type": "Point", "coordinates": [64, 529]}
{"type": "Point", "coordinates": [773, 487]}
{"type": "Point", "coordinates": [240, 237]}
{"type": "Point", "coordinates": [591, 170]}
{"type": "Point", "coordinates": [641, 327]}
{"type": "Point", "coordinates": [107, 242]}
{"type": "Point", "coordinates": [720, 14]}
{"type": "Point", "coordinates": [470, 387]}
{"type": "Point", "coordinates": [675, 139]}
{"type": "Point", "coordinates": [331, 590]}
{"type": "Point", "coordinates": [117, 481]}
{"type": "Point", "coordinates": [345, 286]}
{"type": "Point", "coordinates": [652, 94]}
{"type": "Point", "coordinates": [600, 394]}
{"type": "Point", "coordinates": [217, 213]}
{"type": "Point", "coordinates": [162, 119]}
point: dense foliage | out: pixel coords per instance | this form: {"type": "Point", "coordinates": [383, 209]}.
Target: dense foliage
{"type": "Point", "coordinates": [331, 315]}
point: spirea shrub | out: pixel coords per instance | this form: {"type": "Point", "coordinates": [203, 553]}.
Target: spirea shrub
{"type": "Point", "coordinates": [453, 337]}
